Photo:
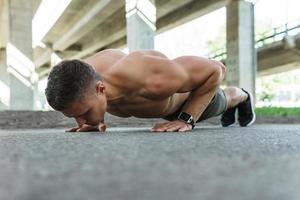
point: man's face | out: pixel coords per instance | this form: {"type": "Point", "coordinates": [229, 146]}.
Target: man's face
{"type": "Point", "coordinates": [90, 110]}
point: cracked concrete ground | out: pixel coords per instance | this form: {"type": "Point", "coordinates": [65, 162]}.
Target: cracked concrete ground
{"type": "Point", "coordinates": [258, 162]}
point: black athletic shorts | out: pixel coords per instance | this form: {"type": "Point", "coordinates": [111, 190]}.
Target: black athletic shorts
{"type": "Point", "coordinates": [217, 106]}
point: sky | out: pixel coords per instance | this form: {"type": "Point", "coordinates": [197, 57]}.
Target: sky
{"type": "Point", "coordinates": [277, 11]}
{"type": "Point", "coordinates": [191, 38]}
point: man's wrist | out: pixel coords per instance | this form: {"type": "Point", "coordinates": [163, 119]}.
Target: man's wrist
{"type": "Point", "coordinates": [186, 118]}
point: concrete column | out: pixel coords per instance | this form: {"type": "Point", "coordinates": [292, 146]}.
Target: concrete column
{"type": "Point", "coordinates": [4, 79]}
{"type": "Point", "coordinates": [140, 24]}
{"type": "Point", "coordinates": [17, 53]}
{"type": "Point", "coordinates": [241, 53]}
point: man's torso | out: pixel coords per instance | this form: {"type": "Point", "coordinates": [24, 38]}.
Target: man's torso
{"type": "Point", "coordinates": [127, 105]}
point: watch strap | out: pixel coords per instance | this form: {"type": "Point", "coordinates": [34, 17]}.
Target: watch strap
{"type": "Point", "coordinates": [187, 118]}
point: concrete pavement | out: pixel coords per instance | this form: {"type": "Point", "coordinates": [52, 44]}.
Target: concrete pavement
{"type": "Point", "coordinates": [258, 162]}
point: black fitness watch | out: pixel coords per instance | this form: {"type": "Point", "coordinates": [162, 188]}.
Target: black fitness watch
{"type": "Point", "coordinates": [187, 118]}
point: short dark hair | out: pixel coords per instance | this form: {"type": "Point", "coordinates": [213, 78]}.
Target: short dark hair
{"type": "Point", "coordinates": [68, 81]}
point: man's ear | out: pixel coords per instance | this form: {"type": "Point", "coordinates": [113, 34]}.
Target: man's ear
{"type": "Point", "coordinates": [100, 87]}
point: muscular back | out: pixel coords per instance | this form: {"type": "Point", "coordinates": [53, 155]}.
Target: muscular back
{"type": "Point", "coordinates": [104, 60]}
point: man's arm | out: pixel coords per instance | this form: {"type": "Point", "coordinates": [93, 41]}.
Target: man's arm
{"type": "Point", "coordinates": [204, 77]}
{"type": "Point", "coordinates": [203, 93]}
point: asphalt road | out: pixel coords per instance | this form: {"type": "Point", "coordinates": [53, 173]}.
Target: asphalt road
{"type": "Point", "coordinates": [261, 162]}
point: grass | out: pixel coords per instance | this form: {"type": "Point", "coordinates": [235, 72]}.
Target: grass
{"type": "Point", "coordinates": [277, 111]}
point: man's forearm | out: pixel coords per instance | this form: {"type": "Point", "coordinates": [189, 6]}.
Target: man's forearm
{"type": "Point", "coordinates": [196, 104]}
{"type": "Point", "coordinates": [200, 97]}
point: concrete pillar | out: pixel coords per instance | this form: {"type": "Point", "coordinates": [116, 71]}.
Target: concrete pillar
{"type": "Point", "coordinates": [241, 53]}
{"type": "Point", "coordinates": [4, 81]}
{"type": "Point", "coordinates": [17, 53]}
{"type": "Point", "coordinates": [140, 24]}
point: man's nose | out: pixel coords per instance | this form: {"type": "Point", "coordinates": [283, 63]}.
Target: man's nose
{"type": "Point", "coordinates": [80, 121]}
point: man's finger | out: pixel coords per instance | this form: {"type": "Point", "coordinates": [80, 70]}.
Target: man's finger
{"type": "Point", "coordinates": [183, 129]}
{"type": "Point", "coordinates": [160, 124]}
{"type": "Point", "coordinates": [175, 128]}
{"type": "Point", "coordinates": [72, 129]}
{"type": "Point", "coordinates": [172, 124]}
{"type": "Point", "coordinates": [162, 129]}
{"type": "Point", "coordinates": [102, 127]}
{"type": "Point", "coordinates": [155, 130]}
{"type": "Point", "coordinates": [86, 129]}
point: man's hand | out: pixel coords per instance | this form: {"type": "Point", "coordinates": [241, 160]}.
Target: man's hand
{"type": "Point", "coordinates": [172, 126]}
{"type": "Point", "coordinates": [88, 128]}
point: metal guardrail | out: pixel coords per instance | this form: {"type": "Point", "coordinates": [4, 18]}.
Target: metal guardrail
{"type": "Point", "coordinates": [268, 37]}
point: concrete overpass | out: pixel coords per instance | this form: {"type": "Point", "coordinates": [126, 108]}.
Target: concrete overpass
{"type": "Point", "coordinates": [102, 24]}
{"type": "Point", "coordinates": [279, 56]}
{"type": "Point", "coordinates": [277, 51]}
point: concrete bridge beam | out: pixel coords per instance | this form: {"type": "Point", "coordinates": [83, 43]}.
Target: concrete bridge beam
{"type": "Point", "coordinates": [97, 15]}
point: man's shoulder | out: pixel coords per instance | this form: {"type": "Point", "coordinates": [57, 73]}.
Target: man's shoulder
{"type": "Point", "coordinates": [128, 65]}
{"type": "Point", "coordinates": [105, 59]}
{"type": "Point", "coordinates": [128, 73]}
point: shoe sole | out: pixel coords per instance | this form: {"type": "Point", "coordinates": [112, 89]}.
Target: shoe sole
{"type": "Point", "coordinates": [228, 125]}
{"type": "Point", "coordinates": [252, 108]}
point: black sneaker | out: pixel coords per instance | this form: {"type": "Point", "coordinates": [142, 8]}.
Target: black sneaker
{"type": "Point", "coordinates": [246, 114]}
{"type": "Point", "coordinates": [228, 117]}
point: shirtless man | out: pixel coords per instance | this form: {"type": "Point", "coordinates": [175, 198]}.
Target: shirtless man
{"type": "Point", "coordinates": [145, 84]}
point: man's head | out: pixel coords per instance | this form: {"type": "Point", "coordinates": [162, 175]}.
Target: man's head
{"type": "Point", "coordinates": [76, 90]}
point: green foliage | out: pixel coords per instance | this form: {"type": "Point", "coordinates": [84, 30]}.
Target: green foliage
{"type": "Point", "coordinates": [266, 94]}
{"type": "Point", "coordinates": [278, 111]}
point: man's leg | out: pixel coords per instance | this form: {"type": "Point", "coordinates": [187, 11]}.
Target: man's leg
{"type": "Point", "coordinates": [241, 100]}
{"type": "Point", "coordinates": [234, 96]}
